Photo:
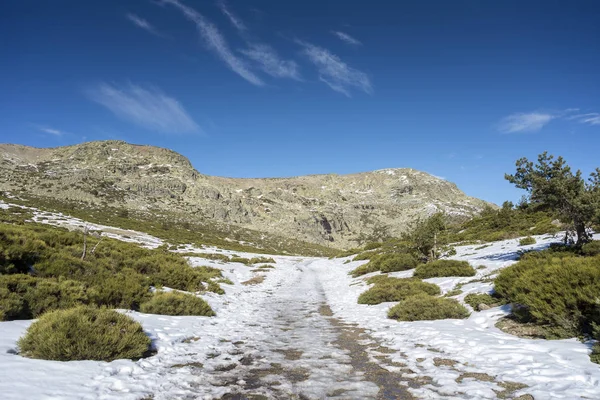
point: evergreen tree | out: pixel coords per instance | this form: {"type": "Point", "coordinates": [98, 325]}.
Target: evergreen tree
{"type": "Point", "coordinates": [551, 184]}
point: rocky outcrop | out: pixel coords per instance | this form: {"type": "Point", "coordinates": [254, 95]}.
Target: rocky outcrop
{"type": "Point", "coordinates": [335, 210]}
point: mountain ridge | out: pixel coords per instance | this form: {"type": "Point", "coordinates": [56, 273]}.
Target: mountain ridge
{"type": "Point", "coordinates": [335, 210]}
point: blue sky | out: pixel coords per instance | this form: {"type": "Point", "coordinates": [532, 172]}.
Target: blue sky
{"type": "Point", "coordinates": [258, 88]}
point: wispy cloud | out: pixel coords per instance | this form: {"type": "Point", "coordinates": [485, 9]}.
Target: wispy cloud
{"type": "Point", "coordinates": [143, 24]}
{"type": "Point", "coordinates": [334, 72]}
{"type": "Point", "coordinates": [535, 121]}
{"type": "Point", "coordinates": [216, 42]}
{"type": "Point", "coordinates": [590, 118]}
{"type": "Point", "coordinates": [235, 21]}
{"type": "Point", "coordinates": [262, 55]}
{"type": "Point", "coordinates": [344, 37]}
{"type": "Point", "coordinates": [52, 131]}
{"type": "Point", "coordinates": [269, 61]}
{"type": "Point", "coordinates": [144, 106]}
{"type": "Point", "coordinates": [525, 122]}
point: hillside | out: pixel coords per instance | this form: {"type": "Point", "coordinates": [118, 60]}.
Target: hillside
{"type": "Point", "coordinates": [338, 211]}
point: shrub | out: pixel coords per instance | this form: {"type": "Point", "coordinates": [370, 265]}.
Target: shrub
{"type": "Point", "coordinates": [366, 255]}
{"type": "Point", "coordinates": [25, 297]}
{"type": "Point", "coordinates": [84, 333]}
{"type": "Point", "coordinates": [475, 299]}
{"type": "Point", "coordinates": [527, 241]}
{"type": "Point", "coordinates": [386, 262]}
{"type": "Point", "coordinates": [443, 268]}
{"type": "Point", "coordinates": [12, 306]}
{"type": "Point", "coordinates": [372, 246]}
{"type": "Point", "coordinates": [422, 307]}
{"type": "Point", "coordinates": [242, 260]}
{"type": "Point", "coordinates": [397, 262]}
{"type": "Point", "coordinates": [560, 292]}
{"type": "Point", "coordinates": [259, 260]}
{"type": "Point", "coordinates": [591, 249]}
{"type": "Point", "coordinates": [126, 289]}
{"type": "Point", "coordinates": [394, 289]}
{"type": "Point", "coordinates": [176, 303]}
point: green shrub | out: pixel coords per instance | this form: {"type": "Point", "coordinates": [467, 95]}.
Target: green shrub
{"type": "Point", "coordinates": [372, 246]}
{"type": "Point", "coordinates": [394, 289]}
{"type": "Point", "coordinates": [126, 289]}
{"type": "Point", "coordinates": [26, 297]}
{"type": "Point", "coordinates": [258, 260]}
{"type": "Point", "coordinates": [176, 303]}
{"type": "Point", "coordinates": [527, 241]}
{"type": "Point", "coordinates": [475, 299]}
{"type": "Point", "coordinates": [422, 307]}
{"type": "Point", "coordinates": [386, 262]}
{"type": "Point", "coordinates": [559, 292]}
{"type": "Point", "coordinates": [397, 262]}
{"type": "Point", "coordinates": [84, 333]}
{"type": "Point", "coordinates": [365, 255]}
{"type": "Point", "coordinates": [591, 249]}
{"type": "Point", "coordinates": [444, 268]}
{"type": "Point", "coordinates": [12, 306]}
{"type": "Point", "coordinates": [242, 260]}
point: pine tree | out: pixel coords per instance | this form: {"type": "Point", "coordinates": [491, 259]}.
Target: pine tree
{"type": "Point", "coordinates": [551, 184]}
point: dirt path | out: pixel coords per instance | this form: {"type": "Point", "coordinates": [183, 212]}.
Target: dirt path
{"type": "Point", "coordinates": [302, 351]}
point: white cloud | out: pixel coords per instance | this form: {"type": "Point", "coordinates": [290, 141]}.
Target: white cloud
{"type": "Point", "coordinates": [216, 42]}
{"type": "Point", "coordinates": [346, 38]}
{"type": "Point", "coordinates": [270, 62]}
{"type": "Point", "coordinates": [235, 21]}
{"type": "Point", "coordinates": [525, 122]}
{"type": "Point", "coordinates": [143, 24]}
{"type": "Point", "coordinates": [144, 106]}
{"type": "Point", "coordinates": [52, 131]}
{"type": "Point", "coordinates": [590, 118]}
{"type": "Point", "coordinates": [334, 72]}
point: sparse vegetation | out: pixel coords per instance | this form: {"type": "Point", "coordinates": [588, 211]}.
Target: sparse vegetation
{"type": "Point", "coordinates": [84, 333]}
{"type": "Point", "coordinates": [395, 289]}
{"type": "Point", "coordinates": [176, 303]}
{"type": "Point", "coordinates": [423, 307]}
{"type": "Point", "coordinates": [444, 268]}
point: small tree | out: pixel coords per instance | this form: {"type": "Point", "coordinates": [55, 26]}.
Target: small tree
{"type": "Point", "coordinates": [424, 238]}
{"type": "Point", "coordinates": [550, 183]}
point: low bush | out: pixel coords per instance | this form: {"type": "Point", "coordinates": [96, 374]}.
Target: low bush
{"type": "Point", "coordinates": [526, 241]}
{"type": "Point", "coordinates": [560, 292]}
{"type": "Point", "coordinates": [591, 249]}
{"type": "Point", "coordinates": [84, 333]}
{"type": "Point", "coordinates": [242, 260]}
{"type": "Point", "coordinates": [261, 260]}
{"type": "Point", "coordinates": [372, 246]}
{"type": "Point", "coordinates": [422, 307]}
{"type": "Point", "coordinates": [25, 297]}
{"type": "Point", "coordinates": [395, 289]}
{"type": "Point", "coordinates": [365, 255]}
{"type": "Point", "coordinates": [386, 262]}
{"type": "Point", "coordinates": [475, 299]}
{"type": "Point", "coordinates": [176, 303]}
{"type": "Point", "coordinates": [397, 262]}
{"type": "Point", "coordinates": [444, 268]}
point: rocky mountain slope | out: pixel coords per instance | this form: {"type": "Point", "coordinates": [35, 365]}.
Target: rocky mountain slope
{"type": "Point", "coordinates": [338, 211]}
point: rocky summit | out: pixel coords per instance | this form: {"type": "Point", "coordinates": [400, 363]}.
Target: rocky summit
{"type": "Point", "coordinates": [339, 211]}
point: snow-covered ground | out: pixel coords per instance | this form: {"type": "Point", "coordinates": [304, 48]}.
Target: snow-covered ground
{"type": "Point", "coordinates": [298, 333]}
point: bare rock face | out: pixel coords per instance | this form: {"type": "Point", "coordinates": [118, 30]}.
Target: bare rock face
{"type": "Point", "coordinates": [339, 211]}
